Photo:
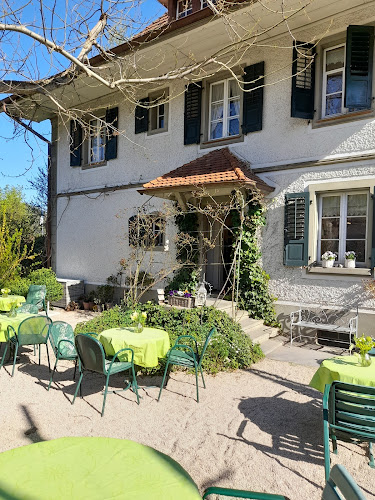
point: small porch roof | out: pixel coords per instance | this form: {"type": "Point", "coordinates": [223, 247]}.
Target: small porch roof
{"type": "Point", "coordinates": [219, 169]}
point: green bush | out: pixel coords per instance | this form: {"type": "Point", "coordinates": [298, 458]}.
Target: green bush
{"type": "Point", "coordinates": [44, 276]}
{"type": "Point", "coordinates": [229, 349]}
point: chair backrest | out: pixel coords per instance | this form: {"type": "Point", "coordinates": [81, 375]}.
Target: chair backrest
{"type": "Point", "coordinates": [351, 411]}
{"type": "Point", "coordinates": [59, 330]}
{"type": "Point", "coordinates": [208, 338]}
{"type": "Point", "coordinates": [36, 295]}
{"type": "Point", "coordinates": [33, 330]}
{"type": "Point", "coordinates": [341, 485]}
{"type": "Point", "coordinates": [90, 352]}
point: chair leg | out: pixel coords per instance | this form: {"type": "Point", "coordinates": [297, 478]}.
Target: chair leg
{"type": "Point", "coordinates": [105, 393]}
{"type": "Point", "coordinates": [327, 464]}
{"type": "Point", "coordinates": [371, 462]}
{"type": "Point", "coordinates": [14, 360]}
{"type": "Point", "coordinates": [204, 384]}
{"type": "Point", "coordinates": [162, 384]}
{"type": "Point", "coordinates": [39, 354]}
{"type": "Point", "coordinates": [334, 445]}
{"type": "Point", "coordinates": [78, 386]}
{"type": "Point", "coordinates": [135, 385]}
{"type": "Point", "coordinates": [49, 366]}
{"type": "Point", "coordinates": [75, 369]}
{"type": "Point", "coordinates": [4, 355]}
{"type": "Point", "coordinates": [196, 382]}
{"type": "Point", "coordinates": [52, 374]}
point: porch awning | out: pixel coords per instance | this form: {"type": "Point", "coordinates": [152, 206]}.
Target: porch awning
{"type": "Point", "coordinates": [219, 169]}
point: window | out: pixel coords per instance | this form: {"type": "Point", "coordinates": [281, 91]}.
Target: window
{"type": "Point", "coordinates": [224, 109]}
{"type": "Point", "coordinates": [343, 224]}
{"type": "Point", "coordinates": [158, 113]}
{"type": "Point", "coordinates": [184, 8]}
{"type": "Point", "coordinates": [147, 230]}
{"type": "Point", "coordinates": [97, 140]}
{"type": "Point", "coordinates": [333, 81]}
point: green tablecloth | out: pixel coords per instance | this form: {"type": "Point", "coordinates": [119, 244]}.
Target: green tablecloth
{"type": "Point", "coordinates": [148, 346]}
{"type": "Point", "coordinates": [6, 302]}
{"type": "Point", "coordinates": [345, 369]}
{"type": "Point", "coordinates": [92, 468]}
{"type": "Point", "coordinates": [13, 321]}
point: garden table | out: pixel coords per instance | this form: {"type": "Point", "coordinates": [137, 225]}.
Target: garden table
{"type": "Point", "coordinates": [12, 321]}
{"type": "Point", "coordinates": [7, 301]}
{"type": "Point", "coordinates": [148, 345]}
{"type": "Point", "coordinates": [345, 369]}
{"type": "Point", "coordinates": [94, 468]}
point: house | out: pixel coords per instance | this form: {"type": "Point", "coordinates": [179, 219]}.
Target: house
{"type": "Point", "coordinates": [304, 135]}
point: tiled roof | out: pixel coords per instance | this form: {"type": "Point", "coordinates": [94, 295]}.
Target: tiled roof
{"type": "Point", "coordinates": [160, 22]}
{"type": "Point", "coordinates": [218, 167]}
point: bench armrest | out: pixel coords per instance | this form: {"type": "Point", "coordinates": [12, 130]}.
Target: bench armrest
{"type": "Point", "coordinates": [296, 316]}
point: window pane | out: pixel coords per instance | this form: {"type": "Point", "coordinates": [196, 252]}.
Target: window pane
{"type": "Point", "coordinates": [356, 227]}
{"type": "Point", "coordinates": [358, 247]}
{"type": "Point", "coordinates": [334, 83]}
{"type": "Point", "coordinates": [234, 126]}
{"type": "Point", "coordinates": [330, 228]}
{"type": "Point", "coordinates": [329, 245]}
{"type": "Point", "coordinates": [335, 58]}
{"type": "Point", "coordinates": [234, 108]}
{"type": "Point", "coordinates": [334, 104]}
{"type": "Point", "coordinates": [217, 92]}
{"type": "Point", "coordinates": [234, 90]}
{"type": "Point", "coordinates": [357, 204]}
{"type": "Point", "coordinates": [217, 111]}
{"type": "Point", "coordinates": [216, 130]}
{"type": "Point", "coordinates": [330, 206]}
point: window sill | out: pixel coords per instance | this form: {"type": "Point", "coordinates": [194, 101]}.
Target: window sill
{"type": "Point", "coordinates": [357, 271]}
{"type": "Point", "coordinates": [348, 117]}
{"type": "Point", "coordinates": [88, 166]}
{"type": "Point", "coordinates": [157, 131]}
{"type": "Point", "coordinates": [222, 142]}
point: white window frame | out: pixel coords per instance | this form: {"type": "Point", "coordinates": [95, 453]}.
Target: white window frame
{"type": "Point", "coordinates": [183, 13]}
{"type": "Point", "coordinates": [100, 131]}
{"type": "Point", "coordinates": [226, 116]}
{"type": "Point", "coordinates": [342, 230]}
{"type": "Point", "coordinates": [324, 80]}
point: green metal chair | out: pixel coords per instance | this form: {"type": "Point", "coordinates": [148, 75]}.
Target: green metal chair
{"type": "Point", "coordinates": [348, 415]}
{"type": "Point", "coordinates": [32, 331]}
{"type": "Point", "coordinates": [61, 337]}
{"type": "Point", "coordinates": [186, 356]}
{"type": "Point", "coordinates": [35, 300]}
{"type": "Point", "coordinates": [340, 486]}
{"type": "Point", "coordinates": [92, 358]}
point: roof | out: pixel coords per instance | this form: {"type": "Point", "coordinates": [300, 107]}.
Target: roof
{"type": "Point", "coordinates": [218, 167]}
{"type": "Point", "coordinates": [159, 23]}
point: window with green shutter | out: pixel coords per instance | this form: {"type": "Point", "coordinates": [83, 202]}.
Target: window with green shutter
{"type": "Point", "coordinates": [192, 113]}
{"type": "Point", "coordinates": [303, 80]}
{"type": "Point", "coordinates": [141, 116]}
{"type": "Point", "coordinates": [296, 229]}
{"type": "Point", "coordinates": [111, 118]}
{"type": "Point", "coordinates": [75, 144]}
{"type": "Point", "coordinates": [252, 113]}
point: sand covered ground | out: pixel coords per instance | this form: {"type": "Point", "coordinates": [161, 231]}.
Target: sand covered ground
{"type": "Point", "coordinates": [259, 429]}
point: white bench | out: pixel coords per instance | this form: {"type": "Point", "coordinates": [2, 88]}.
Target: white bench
{"type": "Point", "coordinates": [331, 319]}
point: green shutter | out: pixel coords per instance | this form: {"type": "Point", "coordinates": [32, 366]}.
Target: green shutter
{"type": "Point", "coordinates": [192, 114]}
{"type": "Point", "coordinates": [111, 118]}
{"type": "Point", "coordinates": [252, 114]}
{"type": "Point", "coordinates": [141, 117]}
{"type": "Point", "coordinates": [303, 80]}
{"type": "Point", "coordinates": [373, 232]}
{"type": "Point", "coordinates": [296, 229]}
{"type": "Point", "coordinates": [75, 144]}
{"type": "Point", "coordinates": [358, 67]}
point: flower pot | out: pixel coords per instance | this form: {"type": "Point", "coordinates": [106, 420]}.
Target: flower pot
{"type": "Point", "coordinates": [350, 263]}
{"type": "Point", "coordinates": [175, 300]}
{"type": "Point", "coordinates": [328, 263]}
{"type": "Point", "coordinates": [365, 359]}
{"type": "Point", "coordinates": [86, 306]}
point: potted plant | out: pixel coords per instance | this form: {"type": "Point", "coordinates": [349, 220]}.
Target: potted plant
{"type": "Point", "coordinates": [181, 299]}
{"type": "Point", "coordinates": [350, 259]}
{"type": "Point", "coordinates": [139, 320]}
{"type": "Point", "coordinates": [328, 259]}
{"type": "Point", "coordinates": [363, 345]}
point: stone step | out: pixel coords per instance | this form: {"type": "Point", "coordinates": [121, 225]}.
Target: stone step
{"type": "Point", "coordinates": [220, 304]}
{"type": "Point", "coordinates": [258, 335]}
{"type": "Point", "coordinates": [247, 323]}
{"type": "Point", "coordinates": [272, 345]}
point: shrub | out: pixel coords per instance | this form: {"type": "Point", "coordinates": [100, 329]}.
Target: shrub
{"type": "Point", "coordinates": [44, 276]}
{"type": "Point", "coordinates": [229, 349]}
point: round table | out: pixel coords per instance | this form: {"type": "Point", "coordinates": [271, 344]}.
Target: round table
{"type": "Point", "coordinates": [148, 346]}
{"type": "Point", "coordinates": [13, 321]}
{"type": "Point", "coordinates": [93, 468]}
{"type": "Point", "coordinates": [345, 369]}
{"type": "Point", "coordinates": [7, 301]}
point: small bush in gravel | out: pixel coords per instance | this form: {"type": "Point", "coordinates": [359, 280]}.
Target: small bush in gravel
{"type": "Point", "coordinates": [229, 349]}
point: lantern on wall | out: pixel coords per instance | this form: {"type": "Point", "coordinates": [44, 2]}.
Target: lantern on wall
{"type": "Point", "coordinates": [201, 295]}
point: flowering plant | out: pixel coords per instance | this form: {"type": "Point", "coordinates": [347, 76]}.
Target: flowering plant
{"type": "Point", "coordinates": [363, 344]}
{"type": "Point", "coordinates": [138, 317]}
{"type": "Point", "coordinates": [328, 255]}
{"type": "Point", "coordinates": [179, 293]}
{"type": "Point", "coordinates": [5, 291]}
{"type": "Point", "coordinates": [350, 255]}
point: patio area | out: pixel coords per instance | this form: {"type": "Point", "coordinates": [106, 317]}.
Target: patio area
{"type": "Point", "coordinates": [259, 429]}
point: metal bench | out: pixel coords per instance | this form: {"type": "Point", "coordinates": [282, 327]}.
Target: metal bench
{"type": "Point", "coordinates": [341, 321]}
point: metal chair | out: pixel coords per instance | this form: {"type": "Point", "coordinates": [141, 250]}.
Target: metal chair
{"type": "Point", "coordinates": [35, 300]}
{"type": "Point", "coordinates": [92, 358]}
{"type": "Point", "coordinates": [32, 331]}
{"type": "Point", "coordinates": [340, 486]}
{"type": "Point", "coordinates": [61, 337]}
{"type": "Point", "coordinates": [348, 415]}
{"type": "Point", "coordinates": [186, 356]}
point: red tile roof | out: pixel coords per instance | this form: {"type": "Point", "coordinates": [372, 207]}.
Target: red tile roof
{"type": "Point", "coordinates": [218, 167]}
{"type": "Point", "coordinates": [159, 23]}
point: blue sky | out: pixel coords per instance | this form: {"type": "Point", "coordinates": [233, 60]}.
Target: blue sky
{"type": "Point", "coordinates": [19, 160]}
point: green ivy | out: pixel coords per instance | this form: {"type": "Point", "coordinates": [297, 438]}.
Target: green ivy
{"type": "Point", "coordinates": [228, 350]}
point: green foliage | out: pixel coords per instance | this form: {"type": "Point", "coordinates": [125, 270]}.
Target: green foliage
{"type": "Point", "coordinates": [44, 276]}
{"type": "Point", "coordinates": [229, 349]}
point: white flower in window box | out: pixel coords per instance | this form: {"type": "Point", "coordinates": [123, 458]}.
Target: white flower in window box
{"type": "Point", "coordinates": [350, 259]}
{"type": "Point", "coordinates": [328, 259]}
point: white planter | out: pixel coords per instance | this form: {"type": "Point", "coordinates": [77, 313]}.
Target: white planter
{"type": "Point", "coordinates": [350, 263]}
{"type": "Point", "coordinates": [328, 263]}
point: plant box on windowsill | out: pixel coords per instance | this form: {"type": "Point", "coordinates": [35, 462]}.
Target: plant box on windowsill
{"type": "Point", "coordinates": [175, 300]}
